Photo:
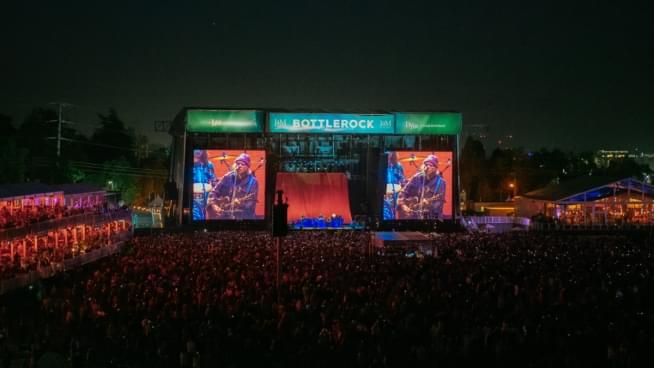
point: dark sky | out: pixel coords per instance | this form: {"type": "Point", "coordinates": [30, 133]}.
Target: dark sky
{"type": "Point", "coordinates": [573, 75]}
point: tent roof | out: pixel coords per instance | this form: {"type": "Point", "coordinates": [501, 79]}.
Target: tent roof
{"type": "Point", "coordinates": [78, 188]}
{"type": "Point", "coordinates": [588, 188]}
{"type": "Point", "coordinates": [25, 189]}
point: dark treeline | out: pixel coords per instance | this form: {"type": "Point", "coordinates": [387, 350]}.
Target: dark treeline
{"type": "Point", "coordinates": [113, 156]}
{"type": "Point", "coordinates": [488, 177]}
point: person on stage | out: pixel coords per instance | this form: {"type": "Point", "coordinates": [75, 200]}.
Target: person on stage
{"type": "Point", "coordinates": [235, 195]}
{"type": "Point", "coordinates": [394, 171]}
{"type": "Point", "coordinates": [204, 177]}
{"type": "Point", "coordinates": [394, 181]}
{"type": "Point", "coordinates": [423, 197]}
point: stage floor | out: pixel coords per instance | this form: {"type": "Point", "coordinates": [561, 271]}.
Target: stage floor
{"type": "Point", "coordinates": [343, 227]}
{"type": "Point", "coordinates": [385, 239]}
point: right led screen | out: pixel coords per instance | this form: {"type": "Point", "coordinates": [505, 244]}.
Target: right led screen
{"type": "Point", "coordinates": [418, 185]}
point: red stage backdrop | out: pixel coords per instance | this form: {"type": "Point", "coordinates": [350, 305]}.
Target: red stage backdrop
{"type": "Point", "coordinates": [313, 194]}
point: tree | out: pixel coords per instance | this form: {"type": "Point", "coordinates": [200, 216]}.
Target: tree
{"type": "Point", "coordinates": [37, 137]}
{"type": "Point", "coordinates": [7, 129]}
{"type": "Point", "coordinates": [35, 130]}
{"type": "Point", "coordinates": [112, 140]}
{"type": "Point", "coordinates": [626, 168]}
{"type": "Point", "coordinates": [473, 168]}
{"type": "Point", "coordinates": [12, 158]}
{"type": "Point", "coordinates": [116, 175]}
{"type": "Point", "coordinates": [500, 172]}
{"type": "Point", "coordinates": [153, 184]}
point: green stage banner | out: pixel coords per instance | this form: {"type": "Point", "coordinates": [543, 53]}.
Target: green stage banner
{"type": "Point", "coordinates": [434, 123]}
{"type": "Point", "coordinates": [224, 121]}
{"type": "Point", "coordinates": [330, 123]}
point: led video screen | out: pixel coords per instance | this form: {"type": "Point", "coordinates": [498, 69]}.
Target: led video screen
{"type": "Point", "coordinates": [228, 185]}
{"type": "Point", "coordinates": [418, 186]}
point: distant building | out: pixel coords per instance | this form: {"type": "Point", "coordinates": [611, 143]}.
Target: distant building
{"type": "Point", "coordinates": [603, 158]}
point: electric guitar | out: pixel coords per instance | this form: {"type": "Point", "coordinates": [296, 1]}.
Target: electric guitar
{"type": "Point", "coordinates": [224, 207]}
{"type": "Point", "coordinates": [412, 207]}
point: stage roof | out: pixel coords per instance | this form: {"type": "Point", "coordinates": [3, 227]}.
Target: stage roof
{"type": "Point", "coordinates": [272, 121]}
{"type": "Point", "coordinates": [590, 188]}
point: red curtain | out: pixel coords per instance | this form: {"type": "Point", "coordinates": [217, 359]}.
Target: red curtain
{"type": "Point", "coordinates": [311, 195]}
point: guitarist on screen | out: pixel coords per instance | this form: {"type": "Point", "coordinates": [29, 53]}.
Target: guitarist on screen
{"type": "Point", "coordinates": [235, 195]}
{"type": "Point", "coordinates": [423, 197]}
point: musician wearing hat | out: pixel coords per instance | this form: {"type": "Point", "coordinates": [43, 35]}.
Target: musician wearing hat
{"type": "Point", "coordinates": [423, 197]}
{"type": "Point", "coordinates": [235, 195]}
{"type": "Point", "coordinates": [204, 177]}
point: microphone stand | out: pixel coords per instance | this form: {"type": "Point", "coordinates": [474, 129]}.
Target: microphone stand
{"type": "Point", "coordinates": [231, 202]}
{"type": "Point", "coordinates": [422, 194]}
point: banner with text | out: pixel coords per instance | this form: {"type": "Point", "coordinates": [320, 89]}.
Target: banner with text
{"type": "Point", "coordinates": [446, 123]}
{"type": "Point", "coordinates": [224, 121]}
{"type": "Point", "coordinates": [331, 123]}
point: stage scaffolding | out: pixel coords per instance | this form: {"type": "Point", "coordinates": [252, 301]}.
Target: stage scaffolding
{"type": "Point", "coordinates": [362, 157]}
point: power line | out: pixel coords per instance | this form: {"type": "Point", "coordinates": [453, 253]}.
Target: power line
{"type": "Point", "coordinates": [118, 167]}
{"type": "Point", "coordinates": [118, 170]}
{"type": "Point", "coordinates": [107, 166]}
{"type": "Point", "coordinates": [106, 171]}
{"type": "Point", "coordinates": [97, 144]}
{"type": "Point", "coordinates": [109, 172]}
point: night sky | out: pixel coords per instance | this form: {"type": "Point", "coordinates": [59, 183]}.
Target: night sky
{"type": "Point", "coordinates": [573, 75]}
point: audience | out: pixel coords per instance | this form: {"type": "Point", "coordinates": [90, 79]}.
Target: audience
{"type": "Point", "coordinates": [28, 215]}
{"type": "Point", "coordinates": [52, 249]}
{"type": "Point", "coordinates": [210, 299]}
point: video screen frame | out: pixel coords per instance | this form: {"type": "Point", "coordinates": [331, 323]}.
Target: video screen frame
{"type": "Point", "coordinates": [418, 185]}
{"type": "Point", "coordinates": [227, 185]}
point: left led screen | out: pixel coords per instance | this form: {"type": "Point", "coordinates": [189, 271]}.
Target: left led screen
{"type": "Point", "coordinates": [228, 184]}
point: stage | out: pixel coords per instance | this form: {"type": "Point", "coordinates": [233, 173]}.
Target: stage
{"type": "Point", "coordinates": [406, 239]}
{"type": "Point", "coordinates": [332, 222]}
{"type": "Point", "coordinates": [396, 169]}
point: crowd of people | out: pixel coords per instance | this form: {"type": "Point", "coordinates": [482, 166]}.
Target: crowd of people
{"type": "Point", "coordinates": [20, 217]}
{"type": "Point", "coordinates": [210, 299]}
{"type": "Point", "coordinates": [34, 252]}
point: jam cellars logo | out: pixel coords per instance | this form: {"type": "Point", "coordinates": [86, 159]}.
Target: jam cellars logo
{"type": "Point", "coordinates": [410, 125]}
{"type": "Point", "coordinates": [231, 123]}
{"type": "Point", "coordinates": [386, 124]}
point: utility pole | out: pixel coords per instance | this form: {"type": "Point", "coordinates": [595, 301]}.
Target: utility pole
{"type": "Point", "coordinates": [59, 131]}
{"type": "Point", "coordinates": [60, 120]}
